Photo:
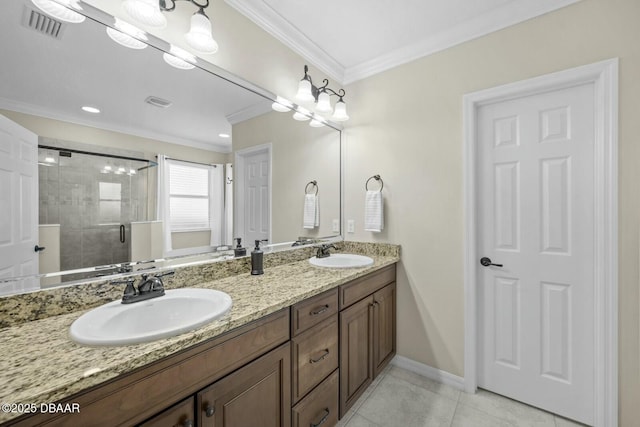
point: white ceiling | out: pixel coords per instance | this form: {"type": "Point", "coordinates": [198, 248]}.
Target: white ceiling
{"type": "Point", "coordinates": [53, 78]}
{"type": "Point", "coordinates": [353, 39]}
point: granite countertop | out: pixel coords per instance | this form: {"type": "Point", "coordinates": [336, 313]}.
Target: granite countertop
{"type": "Point", "coordinates": [40, 363]}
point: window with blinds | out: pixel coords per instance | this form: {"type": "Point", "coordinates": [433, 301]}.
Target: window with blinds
{"type": "Point", "coordinates": [189, 194]}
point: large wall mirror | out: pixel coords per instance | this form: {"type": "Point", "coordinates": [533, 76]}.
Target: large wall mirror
{"type": "Point", "coordinates": [180, 160]}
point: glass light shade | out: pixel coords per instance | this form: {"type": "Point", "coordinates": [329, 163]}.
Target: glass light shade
{"type": "Point", "coordinates": [61, 10]}
{"type": "Point", "coordinates": [146, 12]}
{"type": "Point", "coordinates": [324, 103]}
{"type": "Point", "coordinates": [340, 112]}
{"type": "Point", "coordinates": [302, 114]}
{"type": "Point", "coordinates": [316, 122]}
{"type": "Point", "coordinates": [127, 35]}
{"type": "Point", "coordinates": [199, 36]}
{"type": "Point", "coordinates": [304, 91]}
{"type": "Point", "coordinates": [281, 105]}
{"type": "Point", "coordinates": [179, 58]}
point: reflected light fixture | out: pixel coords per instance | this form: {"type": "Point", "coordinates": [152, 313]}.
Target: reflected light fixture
{"type": "Point", "coordinates": [282, 105]}
{"type": "Point", "coordinates": [316, 121]}
{"type": "Point", "coordinates": [179, 58]}
{"type": "Point", "coordinates": [61, 9]}
{"type": "Point", "coordinates": [321, 96]}
{"type": "Point", "coordinates": [149, 13]}
{"type": "Point", "coordinates": [127, 35]}
{"type": "Point", "coordinates": [89, 109]}
{"type": "Point", "coordinates": [302, 114]}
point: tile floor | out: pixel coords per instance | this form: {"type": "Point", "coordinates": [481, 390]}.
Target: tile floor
{"type": "Point", "coordinates": [400, 398]}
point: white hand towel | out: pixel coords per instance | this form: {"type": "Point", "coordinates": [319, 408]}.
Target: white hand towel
{"type": "Point", "coordinates": [373, 212]}
{"type": "Point", "coordinates": [311, 215]}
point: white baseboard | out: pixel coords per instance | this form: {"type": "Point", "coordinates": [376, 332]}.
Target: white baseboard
{"type": "Point", "coordinates": [428, 372]}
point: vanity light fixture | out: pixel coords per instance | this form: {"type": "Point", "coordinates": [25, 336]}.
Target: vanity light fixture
{"type": "Point", "coordinates": [149, 13]}
{"type": "Point", "coordinates": [61, 9]}
{"type": "Point", "coordinates": [308, 92]}
{"type": "Point", "coordinates": [179, 58]}
{"type": "Point", "coordinates": [127, 35]}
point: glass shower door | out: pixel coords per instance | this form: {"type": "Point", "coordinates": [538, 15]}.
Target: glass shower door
{"type": "Point", "coordinates": [94, 198]}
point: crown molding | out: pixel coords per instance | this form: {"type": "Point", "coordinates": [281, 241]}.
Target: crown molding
{"type": "Point", "coordinates": [250, 112]}
{"type": "Point", "coordinates": [273, 23]}
{"type": "Point", "coordinates": [511, 14]}
{"type": "Point", "coordinates": [24, 108]}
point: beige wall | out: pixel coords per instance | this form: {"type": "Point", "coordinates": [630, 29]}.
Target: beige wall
{"type": "Point", "coordinates": [407, 125]}
{"type": "Point", "coordinates": [300, 154]}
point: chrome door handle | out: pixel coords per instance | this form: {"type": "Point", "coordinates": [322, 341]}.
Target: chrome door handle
{"type": "Point", "coordinates": [486, 262]}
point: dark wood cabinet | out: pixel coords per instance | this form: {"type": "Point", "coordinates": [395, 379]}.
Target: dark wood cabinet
{"type": "Point", "coordinates": [257, 395]}
{"type": "Point", "coordinates": [181, 414]}
{"type": "Point", "coordinates": [320, 407]}
{"type": "Point", "coordinates": [356, 334]}
{"type": "Point", "coordinates": [384, 327]}
{"type": "Point", "coordinates": [367, 332]}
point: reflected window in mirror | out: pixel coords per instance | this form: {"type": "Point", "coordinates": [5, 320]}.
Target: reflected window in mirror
{"type": "Point", "coordinates": [192, 195]}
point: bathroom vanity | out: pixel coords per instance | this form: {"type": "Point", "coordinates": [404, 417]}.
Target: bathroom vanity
{"type": "Point", "coordinates": [298, 353]}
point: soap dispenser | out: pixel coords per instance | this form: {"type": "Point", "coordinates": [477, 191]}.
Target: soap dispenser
{"type": "Point", "coordinates": [239, 251]}
{"type": "Point", "coordinates": [256, 259]}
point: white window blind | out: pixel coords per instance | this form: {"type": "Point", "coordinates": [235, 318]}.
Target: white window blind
{"type": "Point", "coordinates": [189, 196]}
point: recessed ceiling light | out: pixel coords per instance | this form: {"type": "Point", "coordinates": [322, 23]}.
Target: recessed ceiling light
{"type": "Point", "coordinates": [224, 135]}
{"type": "Point", "coordinates": [89, 109]}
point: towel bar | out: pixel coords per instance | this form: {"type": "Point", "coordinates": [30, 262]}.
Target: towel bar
{"type": "Point", "coordinates": [314, 183]}
{"type": "Point", "coordinates": [377, 178]}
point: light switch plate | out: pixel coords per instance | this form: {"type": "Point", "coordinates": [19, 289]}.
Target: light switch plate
{"type": "Point", "coordinates": [351, 226]}
{"type": "Point", "coordinates": [336, 226]}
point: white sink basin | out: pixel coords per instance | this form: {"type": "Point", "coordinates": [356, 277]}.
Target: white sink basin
{"type": "Point", "coordinates": [342, 261]}
{"type": "Point", "coordinates": [178, 311]}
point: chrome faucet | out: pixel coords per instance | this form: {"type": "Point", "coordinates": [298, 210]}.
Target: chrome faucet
{"type": "Point", "coordinates": [323, 251]}
{"type": "Point", "coordinates": [149, 287]}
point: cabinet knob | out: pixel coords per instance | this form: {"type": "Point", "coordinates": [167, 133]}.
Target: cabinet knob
{"type": "Point", "coordinates": [209, 410]}
{"type": "Point", "coordinates": [188, 423]}
{"type": "Point", "coordinates": [326, 413]}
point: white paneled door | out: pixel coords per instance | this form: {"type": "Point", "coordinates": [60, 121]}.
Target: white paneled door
{"type": "Point", "coordinates": [18, 205]}
{"type": "Point", "coordinates": [256, 197]}
{"type": "Point", "coordinates": [536, 222]}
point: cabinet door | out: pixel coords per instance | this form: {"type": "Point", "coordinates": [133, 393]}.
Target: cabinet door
{"type": "Point", "coordinates": [384, 327]}
{"type": "Point", "coordinates": [356, 361]}
{"type": "Point", "coordinates": [257, 395]}
{"type": "Point", "coordinates": [179, 415]}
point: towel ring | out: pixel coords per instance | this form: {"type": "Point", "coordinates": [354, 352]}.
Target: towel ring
{"type": "Point", "coordinates": [314, 183]}
{"type": "Point", "coordinates": [377, 178]}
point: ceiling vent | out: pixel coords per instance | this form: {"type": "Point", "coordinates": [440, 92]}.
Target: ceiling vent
{"type": "Point", "coordinates": [43, 24]}
{"type": "Point", "coordinates": [158, 102]}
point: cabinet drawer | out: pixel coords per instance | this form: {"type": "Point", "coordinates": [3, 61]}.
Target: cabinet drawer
{"type": "Point", "coordinates": [180, 414]}
{"type": "Point", "coordinates": [320, 407]}
{"type": "Point", "coordinates": [356, 290]}
{"type": "Point", "coordinates": [312, 311]}
{"type": "Point", "coordinates": [315, 355]}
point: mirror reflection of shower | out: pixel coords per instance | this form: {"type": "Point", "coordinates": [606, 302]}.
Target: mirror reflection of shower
{"type": "Point", "coordinates": [92, 198]}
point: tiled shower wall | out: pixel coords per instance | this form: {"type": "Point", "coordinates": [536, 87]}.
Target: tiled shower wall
{"type": "Point", "coordinates": [84, 194]}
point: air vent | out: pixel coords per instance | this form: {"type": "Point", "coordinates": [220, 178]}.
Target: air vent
{"type": "Point", "coordinates": [158, 102]}
{"type": "Point", "coordinates": [43, 24]}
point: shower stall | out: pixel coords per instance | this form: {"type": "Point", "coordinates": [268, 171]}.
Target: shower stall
{"type": "Point", "coordinates": [94, 197]}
